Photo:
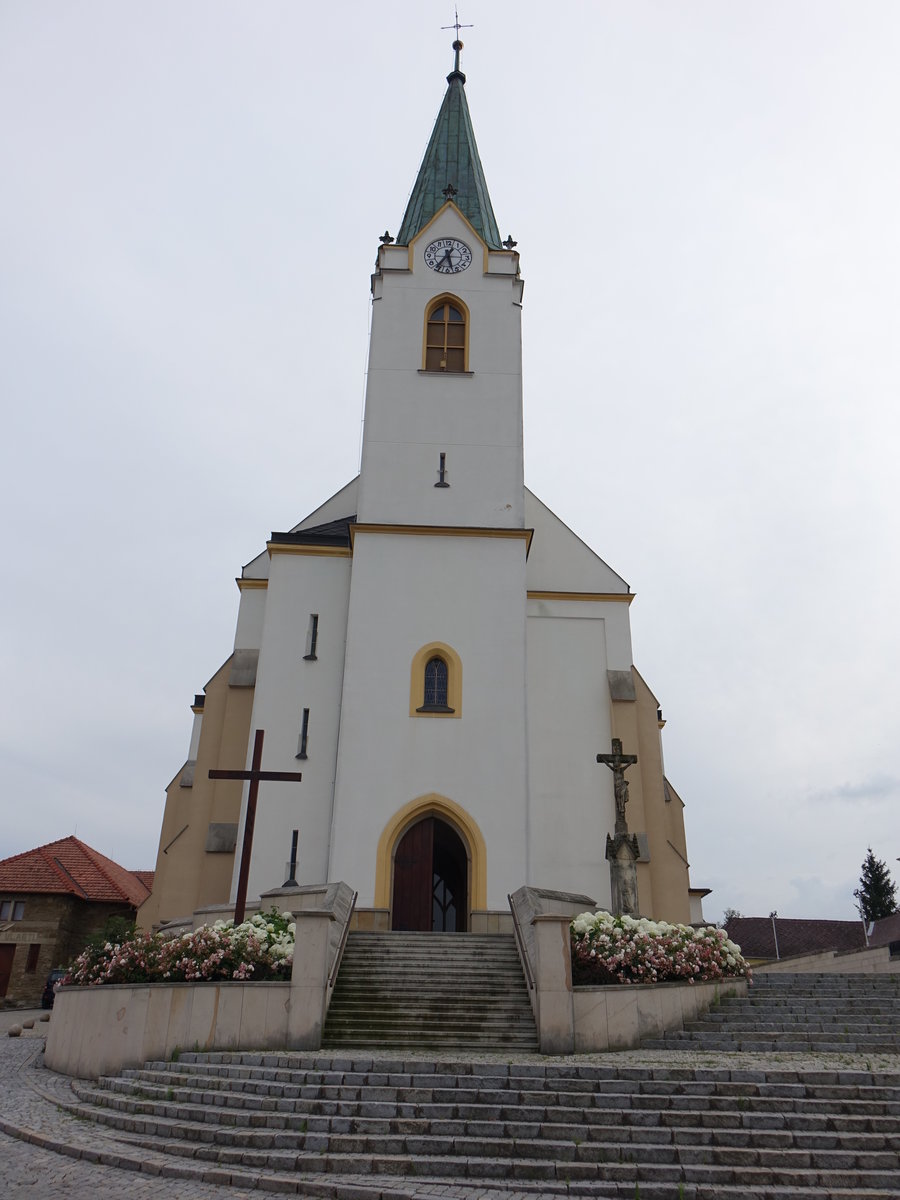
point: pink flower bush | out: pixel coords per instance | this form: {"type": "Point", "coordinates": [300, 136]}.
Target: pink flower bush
{"type": "Point", "coordinates": [261, 948]}
{"type": "Point", "coordinates": [608, 949]}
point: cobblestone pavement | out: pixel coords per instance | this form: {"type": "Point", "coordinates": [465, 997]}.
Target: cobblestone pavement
{"type": "Point", "coordinates": [47, 1152]}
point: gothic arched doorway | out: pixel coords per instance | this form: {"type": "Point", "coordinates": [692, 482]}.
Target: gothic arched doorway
{"type": "Point", "coordinates": [431, 879]}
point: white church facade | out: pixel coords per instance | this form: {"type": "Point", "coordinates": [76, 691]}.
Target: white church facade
{"type": "Point", "coordinates": [436, 652]}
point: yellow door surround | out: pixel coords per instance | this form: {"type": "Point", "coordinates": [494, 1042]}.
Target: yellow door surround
{"type": "Point", "coordinates": [432, 805]}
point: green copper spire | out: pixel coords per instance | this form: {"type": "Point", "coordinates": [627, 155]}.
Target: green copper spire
{"type": "Point", "coordinates": [451, 169]}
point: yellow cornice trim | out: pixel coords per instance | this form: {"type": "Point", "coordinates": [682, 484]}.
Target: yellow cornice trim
{"type": "Point", "coordinates": [455, 815]}
{"type": "Point", "coordinates": [446, 531]}
{"type": "Point", "coordinates": [577, 597]}
{"type": "Point", "coordinates": [195, 708]}
{"type": "Point", "coordinates": [247, 585]}
{"type": "Point", "coordinates": [314, 551]}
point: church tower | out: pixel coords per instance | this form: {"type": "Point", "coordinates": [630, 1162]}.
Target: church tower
{"type": "Point", "coordinates": [435, 651]}
{"type": "Point", "coordinates": [433, 716]}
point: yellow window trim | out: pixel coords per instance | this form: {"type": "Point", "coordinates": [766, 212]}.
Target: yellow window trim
{"type": "Point", "coordinates": [446, 298]}
{"type": "Point", "coordinates": [435, 805]}
{"type": "Point", "coordinates": [417, 680]}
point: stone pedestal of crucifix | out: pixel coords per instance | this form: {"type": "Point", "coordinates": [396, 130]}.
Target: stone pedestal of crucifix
{"type": "Point", "coordinates": [622, 850]}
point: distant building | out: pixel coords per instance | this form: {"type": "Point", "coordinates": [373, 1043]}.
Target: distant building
{"type": "Point", "coordinates": [765, 938]}
{"type": "Point", "coordinates": [51, 900]}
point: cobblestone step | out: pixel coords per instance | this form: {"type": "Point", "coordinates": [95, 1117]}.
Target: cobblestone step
{"type": "Point", "coordinates": [588, 1129]}
{"type": "Point", "coordinates": [800, 1014]}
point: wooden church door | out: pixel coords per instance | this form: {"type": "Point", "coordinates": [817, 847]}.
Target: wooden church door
{"type": "Point", "coordinates": [430, 879]}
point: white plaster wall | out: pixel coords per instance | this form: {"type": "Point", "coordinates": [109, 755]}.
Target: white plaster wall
{"type": "Point", "coordinates": [560, 560]}
{"type": "Point", "coordinates": [571, 797]}
{"type": "Point", "coordinates": [286, 684]}
{"type": "Point", "coordinates": [341, 504]}
{"type": "Point", "coordinates": [475, 419]}
{"type": "Point", "coordinates": [251, 617]}
{"type": "Point", "coordinates": [408, 591]}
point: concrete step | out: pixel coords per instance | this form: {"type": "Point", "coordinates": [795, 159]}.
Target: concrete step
{"type": "Point", "coordinates": [586, 1129]}
{"type": "Point", "coordinates": [430, 990]}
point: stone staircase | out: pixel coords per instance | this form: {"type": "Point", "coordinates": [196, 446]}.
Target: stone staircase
{"type": "Point", "coordinates": [359, 1126]}
{"type": "Point", "coordinates": [431, 991]}
{"type": "Point", "coordinates": [820, 1014]}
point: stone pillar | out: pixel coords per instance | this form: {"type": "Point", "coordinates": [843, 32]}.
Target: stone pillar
{"type": "Point", "coordinates": [309, 978]}
{"type": "Point", "coordinates": [623, 852]}
{"type": "Point", "coordinates": [553, 984]}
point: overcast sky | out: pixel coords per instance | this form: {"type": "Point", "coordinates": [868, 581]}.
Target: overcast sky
{"type": "Point", "coordinates": [705, 197]}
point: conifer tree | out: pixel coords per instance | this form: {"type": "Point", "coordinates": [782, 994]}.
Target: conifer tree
{"type": "Point", "coordinates": [876, 895]}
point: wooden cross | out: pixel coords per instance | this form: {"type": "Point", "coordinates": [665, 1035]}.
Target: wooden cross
{"type": "Point", "coordinates": [619, 763]}
{"type": "Point", "coordinates": [255, 774]}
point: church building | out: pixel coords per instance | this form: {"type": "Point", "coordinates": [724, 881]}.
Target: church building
{"type": "Point", "coordinates": [436, 653]}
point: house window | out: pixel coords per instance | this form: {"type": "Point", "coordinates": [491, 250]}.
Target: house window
{"type": "Point", "coordinates": [445, 336]}
{"type": "Point", "coordinates": [31, 961]}
{"type": "Point", "coordinates": [5, 910]}
{"type": "Point", "coordinates": [12, 910]}
{"type": "Point", "coordinates": [18, 910]}
{"type": "Point", "coordinates": [435, 685]}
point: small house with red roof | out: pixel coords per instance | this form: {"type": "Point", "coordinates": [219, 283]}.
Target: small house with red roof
{"type": "Point", "coordinates": [52, 900]}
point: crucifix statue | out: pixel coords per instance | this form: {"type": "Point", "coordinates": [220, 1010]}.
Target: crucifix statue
{"type": "Point", "coordinates": [619, 763]}
{"type": "Point", "coordinates": [255, 774]}
{"type": "Point", "coordinates": [622, 850]}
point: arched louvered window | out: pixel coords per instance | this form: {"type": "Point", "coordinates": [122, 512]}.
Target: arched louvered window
{"type": "Point", "coordinates": [445, 336]}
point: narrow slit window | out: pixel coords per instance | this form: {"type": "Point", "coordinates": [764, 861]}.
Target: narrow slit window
{"type": "Point", "coordinates": [445, 338]}
{"type": "Point", "coordinates": [312, 637]}
{"type": "Point", "coordinates": [304, 734]}
{"type": "Point", "coordinates": [31, 962]}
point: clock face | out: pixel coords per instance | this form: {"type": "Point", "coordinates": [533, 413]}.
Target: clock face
{"type": "Point", "coordinates": [448, 256]}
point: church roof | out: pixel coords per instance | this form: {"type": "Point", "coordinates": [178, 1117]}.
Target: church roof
{"type": "Point", "coordinates": [69, 867]}
{"type": "Point", "coordinates": [451, 161]}
{"type": "Point", "coordinates": [332, 533]}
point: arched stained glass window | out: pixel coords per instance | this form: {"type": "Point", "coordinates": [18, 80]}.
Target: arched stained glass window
{"type": "Point", "coordinates": [436, 683]}
{"type": "Point", "coordinates": [445, 338]}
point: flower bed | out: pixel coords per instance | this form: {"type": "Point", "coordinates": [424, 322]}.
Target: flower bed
{"type": "Point", "coordinates": [262, 948]}
{"type": "Point", "coordinates": [614, 950]}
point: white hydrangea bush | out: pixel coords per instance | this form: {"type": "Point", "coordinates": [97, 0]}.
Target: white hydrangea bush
{"type": "Point", "coordinates": [624, 949]}
{"type": "Point", "coordinates": [260, 948]}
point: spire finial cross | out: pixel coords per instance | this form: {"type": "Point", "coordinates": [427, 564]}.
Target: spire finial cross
{"type": "Point", "coordinates": [457, 45]}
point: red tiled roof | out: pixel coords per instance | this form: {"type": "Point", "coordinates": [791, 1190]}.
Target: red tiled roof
{"type": "Point", "coordinates": [146, 878]}
{"type": "Point", "coordinates": [71, 868]}
{"type": "Point", "coordinates": [756, 939]}
{"type": "Point", "coordinates": [886, 930]}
